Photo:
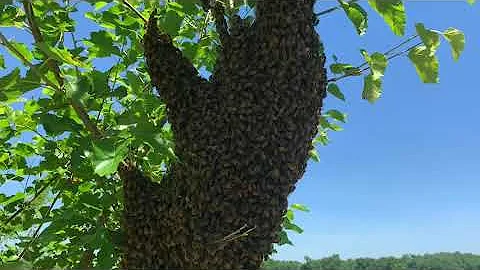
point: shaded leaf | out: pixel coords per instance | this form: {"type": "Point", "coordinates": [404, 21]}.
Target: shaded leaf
{"type": "Point", "coordinates": [337, 115]}
{"type": "Point", "coordinates": [333, 89]}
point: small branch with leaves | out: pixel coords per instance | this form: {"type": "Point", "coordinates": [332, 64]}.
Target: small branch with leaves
{"type": "Point", "coordinates": [37, 231]}
{"type": "Point", "coordinates": [390, 54]}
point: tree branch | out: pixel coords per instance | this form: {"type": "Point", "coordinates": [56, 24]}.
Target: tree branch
{"type": "Point", "coordinates": [171, 73]}
{"type": "Point", "coordinates": [367, 68]}
{"type": "Point", "coordinates": [54, 67]}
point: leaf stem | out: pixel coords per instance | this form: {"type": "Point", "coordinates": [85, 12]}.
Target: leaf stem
{"type": "Point", "coordinates": [332, 9]}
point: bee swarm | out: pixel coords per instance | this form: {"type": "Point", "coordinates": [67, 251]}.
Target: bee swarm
{"type": "Point", "coordinates": [242, 139]}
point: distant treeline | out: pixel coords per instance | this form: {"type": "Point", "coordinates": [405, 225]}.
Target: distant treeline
{"type": "Point", "coordinates": [437, 261]}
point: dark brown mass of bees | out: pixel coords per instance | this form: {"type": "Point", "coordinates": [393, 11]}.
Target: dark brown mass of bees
{"type": "Point", "coordinates": [242, 139]}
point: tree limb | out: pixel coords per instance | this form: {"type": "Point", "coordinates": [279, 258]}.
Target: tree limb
{"type": "Point", "coordinates": [54, 67]}
{"type": "Point", "coordinates": [171, 73]}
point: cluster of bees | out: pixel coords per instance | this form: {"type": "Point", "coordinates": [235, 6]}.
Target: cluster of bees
{"type": "Point", "coordinates": [242, 139]}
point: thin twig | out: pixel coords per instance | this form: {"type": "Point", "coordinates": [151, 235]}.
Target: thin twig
{"type": "Point", "coordinates": [74, 41]}
{"type": "Point", "coordinates": [401, 44]}
{"type": "Point", "coordinates": [25, 205]}
{"type": "Point", "coordinates": [236, 234]}
{"type": "Point", "coordinates": [232, 234]}
{"type": "Point", "coordinates": [388, 58]}
{"type": "Point", "coordinates": [404, 51]}
{"type": "Point", "coordinates": [125, 2]}
{"type": "Point", "coordinates": [332, 9]}
{"type": "Point", "coordinates": [35, 235]}
{"type": "Point", "coordinates": [37, 36]}
{"type": "Point", "coordinates": [114, 82]}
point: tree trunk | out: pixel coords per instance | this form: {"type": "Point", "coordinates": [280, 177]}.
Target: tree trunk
{"type": "Point", "coordinates": [242, 139]}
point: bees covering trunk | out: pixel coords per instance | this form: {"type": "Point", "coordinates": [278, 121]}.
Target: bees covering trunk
{"type": "Point", "coordinates": [242, 139]}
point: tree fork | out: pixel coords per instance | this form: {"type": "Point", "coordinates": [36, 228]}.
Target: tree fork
{"type": "Point", "coordinates": [242, 140]}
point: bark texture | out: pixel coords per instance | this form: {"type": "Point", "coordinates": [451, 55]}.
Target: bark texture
{"type": "Point", "coordinates": [242, 139]}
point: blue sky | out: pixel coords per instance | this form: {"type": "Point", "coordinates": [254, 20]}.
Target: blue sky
{"type": "Point", "coordinates": [403, 177]}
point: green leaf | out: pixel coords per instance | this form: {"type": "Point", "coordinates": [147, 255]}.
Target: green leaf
{"type": "Point", "coordinates": [290, 215]}
{"type": "Point", "coordinates": [333, 89]}
{"type": "Point", "coordinates": [55, 125]}
{"type": "Point", "coordinates": [171, 22]}
{"type": "Point", "coordinates": [61, 55]}
{"type": "Point", "coordinates": [357, 15]}
{"type": "Point", "coordinates": [189, 6]}
{"type": "Point", "coordinates": [393, 12]}
{"type": "Point", "coordinates": [430, 38]}
{"type": "Point", "coordinates": [293, 227]}
{"type": "Point", "coordinates": [322, 138]}
{"type": "Point", "coordinates": [377, 62]}
{"type": "Point", "coordinates": [17, 197]}
{"type": "Point", "coordinates": [300, 207]}
{"type": "Point", "coordinates": [372, 88]}
{"type": "Point", "coordinates": [341, 68]}
{"type": "Point", "coordinates": [471, 2]}
{"type": "Point", "coordinates": [22, 49]}
{"type": "Point", "coordinates": [425, 63]}
{"type": "Point", "coordinates": [456, 38]}
{"type": "Point", "coordinates": [284, 239]}
{"type": "Point", "coordinates": [314, 155]}
{"type": "Point", "coordinates": [107, 154]}
{"type": "Point", "coordinates": [10, 80]}
{"type": "Point", "coordinates": [2, 62]}
{"type": "Point", "coordinates": [101, 44]}
{"type": "Point", "coordinates": [337, 115]}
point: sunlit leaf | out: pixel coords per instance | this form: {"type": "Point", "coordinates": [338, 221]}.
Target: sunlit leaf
{"type": "Point", "coordinates": [372, 88]}
{"type": "Point", "coordinates": [107, 154]}
{"type": "Point", "coordinates": [456, 38]}
{"type": "Point", "coordinates": [425, 63]}
{"type": "Point", "coordinates": [430, 38]}
{"type": "Point", "coordinates": [356, 14]}
{"type": "Point", "coordinates": [393, 12]}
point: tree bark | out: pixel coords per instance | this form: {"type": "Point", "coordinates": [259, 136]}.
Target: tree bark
{"type": "Point", "coordinates": [242, 139]}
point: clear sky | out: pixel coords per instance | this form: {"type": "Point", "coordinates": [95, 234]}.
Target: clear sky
{"type": "Point", "coordinates": [403, 177]}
